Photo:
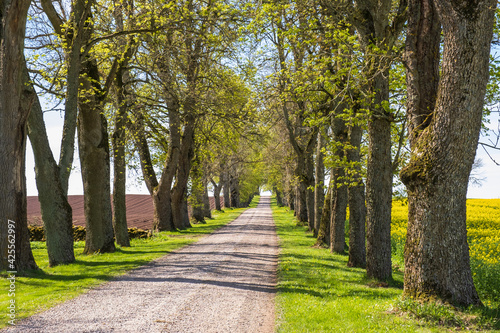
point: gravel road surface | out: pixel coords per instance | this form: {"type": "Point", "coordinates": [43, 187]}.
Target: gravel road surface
{"type": "Point", "coordinates": [223, 283]}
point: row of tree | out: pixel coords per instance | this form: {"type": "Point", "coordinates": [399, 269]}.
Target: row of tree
{"type": "Point", "coordinates": [369, 90]}
{"type": "Point", "coordinates": [154, 85]}
{"type": "Point", "coordinates": [222, 94]}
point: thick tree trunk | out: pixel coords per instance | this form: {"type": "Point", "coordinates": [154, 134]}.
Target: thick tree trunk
{"type": "Point", "coordinates": [319, 192]}
{"type": "Point", "coordinates": [442, 153]}
{"type": "Point", "coordinates": [95, 166]}
{"type": "Point", "coordinates": [15, 250]}
{"type": "Point", "coordinates": [379, 185]}
{"type": "Point", "coordinates": [56, 212]}
{"type": "Point", "coordinates": [357, 205]}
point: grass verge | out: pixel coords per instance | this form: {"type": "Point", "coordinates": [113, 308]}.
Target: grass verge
{"type": "Point", "coordinates": [317, 292]}
{"type": "Point", "coordinates": [41, 289]}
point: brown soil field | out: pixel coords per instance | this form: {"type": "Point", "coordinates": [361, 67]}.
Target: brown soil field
{"type": "Point", "coordinates": [139, 210]}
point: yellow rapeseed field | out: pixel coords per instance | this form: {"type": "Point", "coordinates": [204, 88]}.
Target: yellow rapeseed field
{"type": "Point", "coordinates": [483, 231]}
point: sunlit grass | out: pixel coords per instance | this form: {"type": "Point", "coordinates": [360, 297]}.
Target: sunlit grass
{"type": "Point", "coordinates": [317, 292]}
{"type": "Point", "coordinates": [44, 288]}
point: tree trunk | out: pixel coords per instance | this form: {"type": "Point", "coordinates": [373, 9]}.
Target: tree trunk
{"type": "Point", "coordinates": [95, 166]}
{"type": "Point", "coordinates": [225, 184]}
{"type": "Point", "coordinates": [339, 197]}
{"type": "Point", "coordinates": [357, 205]}
{"type": "Point", "coordinates": [339, 209]}
{"type": "Point", "coordinates": [196, 199]}
{"type": "Point", "coordinates": [323, 238]}
{"type": "Point", "coordinates": [319, 192]}
{"type": "Point", "coordinates": [301, 201]}
{"type": "Point", "coordinates": [181, 221]}
{"type": "Point", "coordinates": [161, 192]}
{"type": "Point", "coordinates": [379, 25]}
{"type": "Point", "coordinates": [279, 199]}
{"type": "Point", "coordinates": [217, 189]}
{"type": "Point", "coordinates": [291, 199]}
{"type": "Point", "coordinates": [442, 153]}
{"type": "Point", "coordinates": [235, 191]}
{"type": "Point", "coordinates": [57, 214]}
{"type": "Point", "coordinates": [379, 186]}
{"type": "Point", "coordinates": [119, 164]}
{"type": "Point", "coordinates": [15, 250]}
{"type": "Point", "coordinates": [206, 199]}
{"type": "Point", "coordinates": [310, 190]}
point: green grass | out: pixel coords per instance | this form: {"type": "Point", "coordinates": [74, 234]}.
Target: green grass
{"type": "Point", "coordinates": [317, 292]}
{"type": "Point", "coordinates": [41, 289]}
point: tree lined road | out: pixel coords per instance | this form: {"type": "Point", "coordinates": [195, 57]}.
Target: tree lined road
{"type": "Point", "coordinates": [223, 283]}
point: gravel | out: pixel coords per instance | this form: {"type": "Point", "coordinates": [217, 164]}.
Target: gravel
{"type": "Point", "coordinates": [223, 283]}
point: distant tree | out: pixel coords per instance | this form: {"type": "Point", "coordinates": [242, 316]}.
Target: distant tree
{"type": "Point", "coordinates": [444, 118]}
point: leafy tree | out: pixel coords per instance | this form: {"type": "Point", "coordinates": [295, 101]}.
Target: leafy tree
{"type": "Point", "coordinates": [445, 120]}
{"type": "Point", "coordinates": [14, 110]}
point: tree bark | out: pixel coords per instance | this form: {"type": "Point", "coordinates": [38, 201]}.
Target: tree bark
{"type": "Point", "coordinates": [57, 214]}
{"type": "Point", "coordinates": [357, 205]}
{"type": "Point", "coordinates": [15, 250]}
{"type": "Point", "coordinates": [186, 154]}
{"type": "Point", "coordinates": [319, 192]}
{"type": "Point", "coordinates": [323, 238]}
{"type": "Point", "coordinates": [442, 152]}
{"type": "Point", "coordinates": [217, 189]}
{"type": "Point", "coordinates": [291, 198]}
{"type": "Point", "coordinates": [379, 186]}
{"type": "Point", "coordinates": [279, 198]}
{"type": "Point", "coordinates": [119, 163]}
{"type": "Point", "coordinates": [161, 192]}
{"type": "Point", "coordinates": [119, 135]}
{"type": "Point", "coordinates": [227, 191]}
{"type": "Point", "coordinates": [234, 191]}
{"type": "Point", "coordinates": [339, 197]}
{"type": "Point", "coordinates": [379, 25]}
{"type": "Point", "coordinates": [196, 199]}
{"type": "Point", "coordinates": [339, 210]}
{"type": "Point", "coordinates": [206, 199]}
{"type": "Point", "coordinates": [95, 165]}
{"type": "Point", "coordinates": [310, 190]}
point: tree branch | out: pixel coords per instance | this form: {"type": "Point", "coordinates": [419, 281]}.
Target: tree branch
{"type": "Point", "coordinates": [53, 16]}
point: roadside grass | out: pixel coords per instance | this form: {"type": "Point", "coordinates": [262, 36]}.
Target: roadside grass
{"type": "Point", "coordinates": [41, 289]}
{"type": "Point", "coordinates": [317, 292]}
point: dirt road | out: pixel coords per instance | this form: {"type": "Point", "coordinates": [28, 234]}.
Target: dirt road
{"type": "Point", "coordinates": [223, 283]}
